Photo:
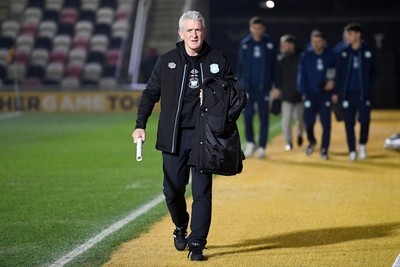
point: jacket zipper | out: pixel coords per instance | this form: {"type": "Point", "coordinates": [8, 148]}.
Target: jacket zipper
{"type": "Point", "coordinates": [347, 76]}
{"type": "Point", "coordinates": [360, 76]}
{"type": "Point", "coordinates": [178, 110]}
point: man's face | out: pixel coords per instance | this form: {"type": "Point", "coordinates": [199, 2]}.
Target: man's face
{"type": "Point", "coordinates": [257, 30]}
{"type": "Point", "coordinates": [352, 37]}
{"type": "Point", "coordinates": [317, 44]}
{"type": "Point", "coordinates": [193, 35]}
{"type": "Point", "coordinates": [286, 47]}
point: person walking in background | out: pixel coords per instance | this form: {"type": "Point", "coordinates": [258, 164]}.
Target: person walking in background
{"type": "Point", "coordinates": [257, 71]}
{"type": "Point", "coordinates": [292, 104]}
{"type": "Point", "coordinates": [355, 79]}
{"type": "Point", "coordinates": [177, 79]}
{"type": "Point", "coordinates": [315, 82]}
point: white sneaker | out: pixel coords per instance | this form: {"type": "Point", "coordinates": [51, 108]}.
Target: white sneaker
{"type": "Point", "coordinates": [362, 152]}
{"type": "Point", "coordinates": [261, 153]}
{"type": "Point", "coordinates": [248, 152]}
{"type": "Point", "coordinates": [352, 156]}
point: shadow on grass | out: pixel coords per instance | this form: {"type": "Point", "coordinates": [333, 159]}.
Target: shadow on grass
{"type": "Point", "coordinates": [309, 238]}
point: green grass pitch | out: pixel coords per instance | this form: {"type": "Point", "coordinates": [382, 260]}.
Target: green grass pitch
{"type": "Point", "coordinates": [66, 177]}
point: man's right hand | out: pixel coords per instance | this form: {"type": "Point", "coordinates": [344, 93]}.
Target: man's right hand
{"type": "Point", "coordinates": [335, 99]}
{"type": "Point", "coordinates": [137, 133]}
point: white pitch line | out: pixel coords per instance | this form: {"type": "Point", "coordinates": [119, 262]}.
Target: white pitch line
{"type": "Point", "coordinates": [397, 262]}
{"type": "Point", "coordinates": [10, 115]}
{"type": "Point", "coordinates": [110, 230]}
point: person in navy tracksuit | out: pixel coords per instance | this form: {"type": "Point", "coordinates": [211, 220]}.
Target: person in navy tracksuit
{"type": "Point", "coordinates": [257, 71]}
{"type": "Point", "coordinates": [355, 77]}
{"type": "Point", "coordinates": [315, 82]}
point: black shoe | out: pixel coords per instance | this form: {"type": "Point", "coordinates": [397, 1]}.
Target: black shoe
{"type": "Point", "coordinates": [299, 140]}
{"type": "Point", "coordinates": [310, 149]}
{"type": "Point", "coordinates": [180, 240]}
{"type": "Point", "coordinates": [324, 154]}
{"type": "Point", "coordinates": [196, 252]}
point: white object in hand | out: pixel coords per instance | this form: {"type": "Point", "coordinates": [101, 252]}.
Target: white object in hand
{"type": "Point", "coordinates": [139, 144]}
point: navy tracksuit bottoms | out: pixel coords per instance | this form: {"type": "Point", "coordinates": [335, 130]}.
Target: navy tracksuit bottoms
{"type": "Point", "coordinates": [318, 104]}
{"type": "Point", "coordinates": [259, 97]}
{"type": "Point", "coordinates": [352, 106]}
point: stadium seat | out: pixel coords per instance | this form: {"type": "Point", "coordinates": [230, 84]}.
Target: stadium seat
{"type": "Point", "coordinates": [36, 3]}
{"type": "Point", "coordinates": [16, 72]}
{"type": "Point", "coordinates": [44, 42]}
{"type": "Point", "coordinates": [120, 29]}
{"type": "Point", "coordinates": [66, 28]}
{"type": "Point", "coordinates": [39, 57]}
{"type": "Point", "coordinates": [84, 28]}
{"type": "Point", "coordinates": [112, 57]}
{"type": "Point", "coordinates": [70, 82]}
{"type": "Point", "coordinates": [96, 56]}
{"type": "Point", "coordinates": [81, 41]}
{"type": "Point", "coordinates": [54, 73]}
{"type": "Point", "coordinates": [51, 15]}
{"type": "Point", "coordinates": [72, 3]}
{"type": "Point", "coordinates": [107, 3]}
{"type": "Point", "coordinates": [35, 71]}
{"type": "Point", "coordinates": [74, 69]}
{"type": "Point", "coordinates": [32, 14]}
{"type": "Point", "coordinates": [10, 28]}
{"type": "Point", "coordinates": [68, 15]}
{"type": "Point", "coordinates": [22, 55]}
{"type": "Point", "coordinates": [62, 41]}
{"type": "Point", "coordinates": [17, 7]}
{"type": "Point", "coordinates": [30, 82]}
{"type": "Point", "coordinates": [59, 55]}
{"type": "Point", "coordinates": [54, 4]}
{"type": "Point", "coordinates": [124, 2]}
{"type": "Point", "coordinates": [108, 82]}
{"type": "Point", "coordinates": [24, 41]}
{"type": "Point", "coordinates": [29, 28]}
{"type": "Point", "coordinates": [92, 73]}
{"type": "Point", "coordinates": [109, 71]}
{"type": "Point", "coordinates": [105, 15]}
{"type": "Point", "coordinates": [123, 12]}
{"type": "Point", "coordinates": [99, 42]}
{"type": "Point", "coordinates": [116, 42]}
{"type": "Point", "coordinates": [47, 28]}
{"type": "Point", "coordinates": [6, 42]}
{"type": "Point", "coordinates": [102, 28]}
{"type": "Point", "coordinates": [87, 15]}
{"type": "Point", "coordinates": [77, 55]}
{"type": "Point", "coordinates": [90, 5]}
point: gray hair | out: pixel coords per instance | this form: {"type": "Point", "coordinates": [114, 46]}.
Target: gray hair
{"type": "Point", "coordinates": [194, 15]}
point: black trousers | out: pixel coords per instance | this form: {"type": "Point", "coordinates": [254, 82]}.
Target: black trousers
{"type": "Point", "coordinates": [176, 177]}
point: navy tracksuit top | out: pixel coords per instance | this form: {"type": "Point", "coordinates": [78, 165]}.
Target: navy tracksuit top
{"type": "Point", "coordinates": [314, 71]}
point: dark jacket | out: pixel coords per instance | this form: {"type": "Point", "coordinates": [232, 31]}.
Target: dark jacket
{"type": "Point", "coordinates": [313, 71]}
{"type": "Point", "coordinates": [367, 71]}
{"type": "Point", "coordinates": [288, 66]}
{"type": "Point", "coordinates": [168, 83]}
{"type": "Point", "coordinates": [216, 147]}
{"type": "Point", "coordinates": [269, 65]}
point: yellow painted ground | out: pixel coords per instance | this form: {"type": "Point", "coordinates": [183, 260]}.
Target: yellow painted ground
{"type": "Point", "coordinates": [294, 210]}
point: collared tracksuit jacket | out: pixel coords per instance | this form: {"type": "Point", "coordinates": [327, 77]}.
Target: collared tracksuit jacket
{"type": "Point", "coordinates": [367, 72]}
{"type": "Point", "coordinates": [312, 73]}
{"type": "Point", "coordinates": [168, 83]}
{"type": "Point", "coordinates": [269, 65]}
